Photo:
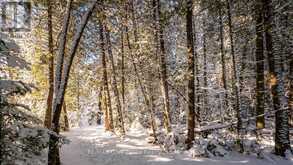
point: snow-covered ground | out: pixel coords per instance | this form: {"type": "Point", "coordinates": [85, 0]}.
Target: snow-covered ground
{"type": "Point", "coordinates": [93, 146]}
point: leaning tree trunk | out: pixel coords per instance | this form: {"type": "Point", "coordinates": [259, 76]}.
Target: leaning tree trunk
{"type": "Point", "coordinates": [48, 115]}
{"type": "Point", "coordinates": [191, 76]}
{"type": "Point", "coordinates": [105, 78]}
{"type": "Point", "coordinates": [259, 54]}
{"type": "Point", "coordinates": [53, 154]}
{"type": "Point", "coordinates": [138, 77]}
{"type": "Point", "coordinates": [276, 81]}
{"type": "Point", "coordinates": [163, 72]}
{"type": "Point", "coordinates": [115, 85]}
{"type": "Point", "coordinates": [235, 83]}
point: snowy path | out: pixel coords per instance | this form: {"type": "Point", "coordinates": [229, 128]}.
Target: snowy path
{"type": "Point", "coordinates": [92, 146]}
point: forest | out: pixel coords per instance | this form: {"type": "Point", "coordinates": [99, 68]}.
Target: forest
{"type": "Point", "coordinates": [155, 82]}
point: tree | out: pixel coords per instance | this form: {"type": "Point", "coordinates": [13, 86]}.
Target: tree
{"type": "Point", "coordinates": [276, 82]}
{"type": "Point", "coordinates": [163, 71]}
{"type": "Point", "coordinates": [109, 111]}
{"type": "Point", "coordinates": [191, 74]}
{"type": "Point", "coordinates": [235, 82]}
{"type": "Point", "coordinates": [259, 53]}
{"type": "Point", "coordinates": [48, 117]}
{"type": "Point", "coordinates": [115, 85]}
{"type": "Point", "coordinates": [53, 154]}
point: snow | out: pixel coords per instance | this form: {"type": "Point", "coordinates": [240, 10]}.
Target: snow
{"type": "Point", "coordinates": [93, 146]}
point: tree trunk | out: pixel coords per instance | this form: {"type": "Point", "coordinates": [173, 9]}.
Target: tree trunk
{"type": "Point", "coordinates": [223, 59]}
{"type": "Point", "coordinates": [48, 116]}
{"type": "Point", "coordinates": [205, 73]}
{"type": "Point", "coordinates": [163, 72]}
{"type": "Point", "coordinates": [122, 70]}
{"type": "Point", "coordinates": [191, 75]}
{"type": "Point", "coordinates": [276, 82]}
{"type": "Point", "coordinates": [66, 121]}
{"type": "Point", "coordinates": [291, 91]}
{"type": "Point", "coordinates": [115, 85]}
{"type": "Point", "coordinates": [104, 108]}
{"type": "Point", "coordinates": [105, 78]}
{"type": "Point", "coordinates": [53, 154]}
{"type": "Point", "coordinates": [259, 53]}
{"type": "Point", "coordinates": [235, 82]}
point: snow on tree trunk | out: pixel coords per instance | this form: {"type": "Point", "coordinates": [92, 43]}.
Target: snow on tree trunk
{"type": "Point", "coordinates": [115, 85]}
{"type": "Point", "coordinates": [53, 154]}
{"type": "Point", "coordinates": [259, 53]}
{"type": "Point", "coordinates": [235, 83]}
{"type": "Point", "coordinates": [191, 75]}
{"type": "Point", "coordinates": [48, 116]}
{"type": "Point", "coordinates": [276, 81]}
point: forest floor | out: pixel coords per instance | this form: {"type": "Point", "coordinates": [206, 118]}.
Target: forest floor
{"type": "Point", "coordinates": [94, 146]}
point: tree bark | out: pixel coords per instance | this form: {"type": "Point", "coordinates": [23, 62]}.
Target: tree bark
{"type": "Point", "coordinates": [205, 73]}
{"type": "Point", "coordinates": [235, 82]}
{"type": "Point", "coordinates": [115, 85]}
{"type": "Point", "coordinates": [105, 78]}
{"type": "Point", "coordinates": [291, 91]}
{"type": "Point", "coordinates": [48, 115]}
{"type": "Point", "coordinates": [223, 59]}
{"type": "Point", "coordinates": [191, 75]}
{"type": "Point", "coordinates": [122, 69]}
{"type": "Point", "coordinates": [163, 72]}
{"type": "Point", "coordinates": [66, 121]}
{"type": "Point", "coordinates": [276, 82]}
{"type": "Point", "coordinates": [259, 53]}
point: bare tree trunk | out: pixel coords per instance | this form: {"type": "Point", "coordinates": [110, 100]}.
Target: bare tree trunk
{"type": "Point", "coordinates": [197, 81]}
{"type": "Point", "coordinates": [205, 73]}
{"type": "Point", "coordinates": [276, 82]}
{"type": "Point", "coordinates": [163, 73]}
{"type": "Point", "coordinates": [105, 78]}
{"type": "Point", "coordinates": [53, 154]}
{"type": "Point", "coordinates": [122, 69]}
{"type": "Point", "coordinates": [104, 107]}
{"type": "Point", "coordinates": [48, 115]}
{"type": "Point", "coordinates": [115, 85]}
{"type": "Point", "coordinates": [235, 80]}
{"type": "Point", "coordinates": [191, 75]}
{"type": "Point", "coordinates": [291, 91]}
{"type": "Point", "coordinates": [61, 49]}
{"type": "Point", "coordinates": [223, 59]}
{"type": "Point", "coordinates": [259, 53]}
{"type": "Point", "coordinates": [66, 121]}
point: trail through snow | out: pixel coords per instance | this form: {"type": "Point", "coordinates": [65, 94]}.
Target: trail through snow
{"type": "Point", "coordinates": [93, 146]}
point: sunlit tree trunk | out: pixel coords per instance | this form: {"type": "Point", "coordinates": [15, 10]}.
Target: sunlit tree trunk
{"type": "Point", "coordinates": [105, 78]}
{"type": "Point", "coordinates": [163, 72]}
{"type": "Point", "coordinates": [48, 115]}
{"type": "Point", "coordinates": [115, 85]}
{"type": "Point", "coordinates": [53, 153]}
